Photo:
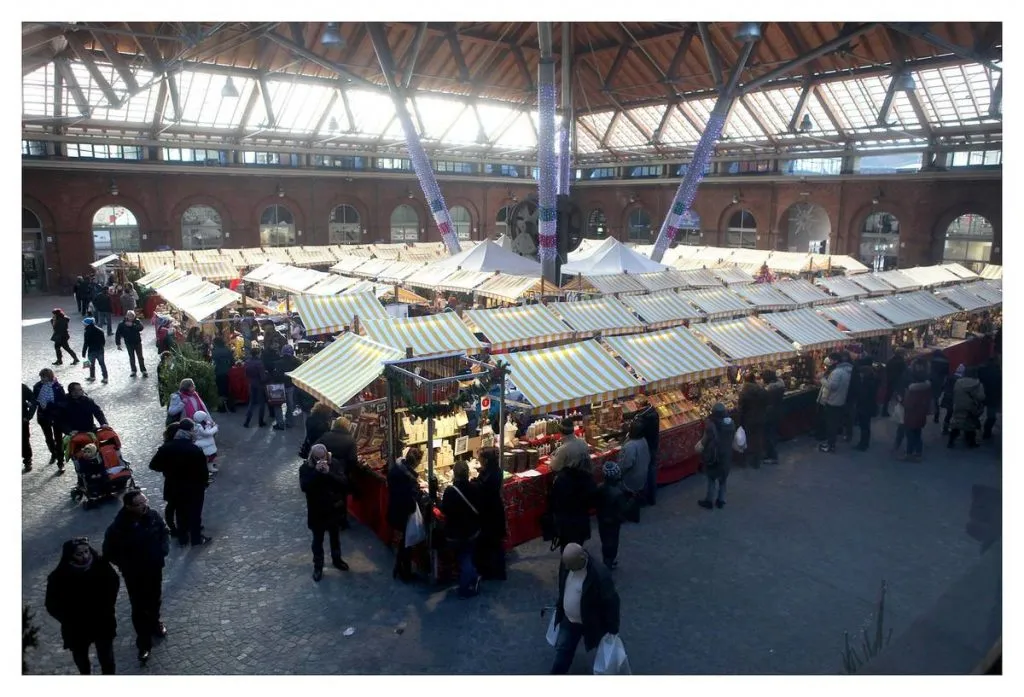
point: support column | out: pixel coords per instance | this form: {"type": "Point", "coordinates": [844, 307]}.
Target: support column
{"type": "Point", "coordinates": [546, 155]}
{"type": "Point", "coordinates": [417, 155]}
{"type": "Point", "coordinates": [565, 149]}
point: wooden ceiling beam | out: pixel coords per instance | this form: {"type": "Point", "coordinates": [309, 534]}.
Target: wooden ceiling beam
{"type": "Point", "coordinates": [620, 57]}
{"type": "Point", "coordinates": [71, 83]}
{"type": "Point", "coordinates": [118, 61]}
{"type": "Point", "coordinates": [711, 53]}
{"type": "Point", "coordinates": [460, 60]}
{"type": "Point", "coordinates": [412, 54]}
{"type": "Point", "coordinates": [76, 44]}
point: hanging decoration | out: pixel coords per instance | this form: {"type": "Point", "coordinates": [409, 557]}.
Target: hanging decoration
{"type": "Point", "coordinates": [764, 275]}
{"type": "Point", "coordinates": [564, 163]}
{"type": "Point", "coordinates": [548, 165]}
{"type": "Point", "coordinates": [466, 396]}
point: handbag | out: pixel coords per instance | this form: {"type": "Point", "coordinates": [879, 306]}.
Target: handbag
{"type": "Point", "coordinates": [739, 441]}
{"type": "Point", "coordinates": [898, 413]}
{"type": "Point", "coordinates": [552, 634]}
{"type": "Point", "coordinates": [611, 657]}
{"type": "Point", "coordinates": [415, 530]}
{"type": "Point", "coordinates": [275, 394]}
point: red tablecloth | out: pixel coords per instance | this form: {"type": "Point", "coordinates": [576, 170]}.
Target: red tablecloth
{"type": "Point", "coordinates": [149, 306]}
{"type": "Point", "coordinates": [969, 352]}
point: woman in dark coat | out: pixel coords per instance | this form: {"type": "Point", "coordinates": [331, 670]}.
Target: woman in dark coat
{"type": "Point", "coordinates": [80, 594]}
{"type": "Point", "coordinates": [317, 424]}
{"type": "Point", "coordinates": [491, 545]}
{"type": "Point", "coordinates": [716, 454]}
{"type": "Point", "coordinates": [325, 486]}
{"type": "Point", "coordinates": [573, 494]}
{"type": "Point", "coordinates": [61, 335]}
{"type": "Point", "coordinates": [460, 506]}
{"type": "Point", "coordinates": [404, 495]}
{"type": "Point", "coordinates": [344, 459]}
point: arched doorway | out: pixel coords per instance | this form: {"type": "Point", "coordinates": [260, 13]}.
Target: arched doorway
{"type": "Point", "coordinates": [33, 261]}
{"type": "Point", "coordinates": [969, 242]}
{"type": "Point", "coordinates": [741, 230]}
{"type": "Point", "coordinates": [344, 226]}
{"type": "Point", "coordinates": [115, 229]}
{"type": "Point", "coordinates": [277, 227]}
{"type": "Point", "coordinates": [405, 224]}
{"type": "Point", "coordinates": [201, 228]}
{"type": "Point", "coordinates": [461, 221]}
{"type": "Point", "coordinates": [501, 221]}
{"type": "Point", "coordinates": [880, 241]}
{"type": "Point", "coordinates": [638, 226]}
{"type": "Point", "coordinates": [689, 229]}
{"type": "Point", "coordinates": [807, 228]}
{"type": "Point", "coordinates": [597, 225]}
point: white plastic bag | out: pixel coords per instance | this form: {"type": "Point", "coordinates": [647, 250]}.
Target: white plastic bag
{"type": "Point", "coordinates": [552, 635]}
{"type": "Point", "coordinates": [739, 441]}
{"type": "Point", "coordinates": [611, 657]}
{"type": "Point", "coordinates": [415, 530]}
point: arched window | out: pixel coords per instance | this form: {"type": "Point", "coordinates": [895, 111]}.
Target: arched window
{"type": "Point", "coordinates": [639, 226]}
{"type": "Point", "coordinates": [405, 224]}
{"type": "Point", "coordinates": [114, 230]}
{"type": "Point", "coordinates": [344, 226]}
{"type": "Point", "coordinates": [29, 220]}
{"type": "Point", "coordinates": [277, 227]}
{"type": "Point", "coordinates": [807, 228]}
{"type": "Point", "coordinates": [689, 229]}
{"type": "Point", "coordinates": [969, 241]}
{"type": "Point", "coordinates": [201, 228]}
{"type": "Point", "coordinates": [461, 221]}
{"type": "Point", "coordinates": [501, 221]}
{"type": "Point", "coordinates": [742, 230]}
{"type": "Point", "coordinates": [33, 263]}
{"type": "Point", "coordinates": [597, 224]}
{"type": "Point", "coordinates": [880, 241]}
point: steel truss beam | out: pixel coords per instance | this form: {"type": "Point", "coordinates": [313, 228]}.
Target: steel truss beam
{"type": "Point", "coordinates": [76, 44]}
{"type": "Point", "coordinates": [118, 61]}
{"type": "Point", "coordinates": [922, 33]}
{"type": "Point", "coordinates": [71, 83]}
{"type": "Point", "coordinates": [306, 55]}
{"type": "Point", "coordinates": [409, 62]}
{"type": "Point", "coordinates": [714, 60]}
{"type": "Point", "coordinates": [460, 60]}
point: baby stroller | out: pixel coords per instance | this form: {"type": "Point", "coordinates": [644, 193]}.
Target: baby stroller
{"type": "Point", "coordinates": [100, 469]}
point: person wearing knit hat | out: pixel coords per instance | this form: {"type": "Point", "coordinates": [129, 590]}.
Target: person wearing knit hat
{"type": "Point", "coordinates": [93, 345]}
{"type": "Point", "coordinates": [587, 607]}
{"type": "Point", "coordinates": [612, 499]}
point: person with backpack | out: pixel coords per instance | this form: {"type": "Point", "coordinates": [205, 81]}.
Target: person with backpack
{"type": "Point", "coordinates": [462, 526]}
{"type": "Point", "coordinates": [104, 309]}
{"type": "Point", "coordinates": [716, 454]}
{"type": "Point", "coordinates": [968, 407]}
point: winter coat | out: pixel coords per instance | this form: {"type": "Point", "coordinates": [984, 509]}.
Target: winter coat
{"type": "Point", "coordinates": [53, 409]}
{"type": "Point", "coordinates": [599, 604]}
{"type": "Point", "coordinates": [93, 340]}
{"type": "Point", "coordinates": [991, 377]}
{"type": "Point", "coordinates": [28, 403]}
{"type": "Point", "coordinates": [894, 370]}
{"type": "Point", "coordinates": [634, 461]}
{"type": "Point", "coordinates": [316, 426]}
{"type": "Point", "coordinates": [716, 455]}
{"type": "Point", "coordinates": [342, 446]}
{"type": "Point", "coordinates": [129, 332]}
{"type": "Point", "coordinates": [83, 290]}
{"type": "Point", "coordinates": [137, 543]}
{"type": "Point", "coordinates": [837, 386]}
{"type": "Point", "coordinates": [867, 390]}
{"type": "Point", "coordinates": [79, 414]}
{"type": "Point", "coordinates": [651, 423]}
{"type": "Point", "coordinates": [83, 600]}
{"type": "Point", "coordinates": [946, 401]}
{"type": "Point", "coordinates": [753, 405]}
{"type": "Point", "coordinates": [571, 498]}
{"type": "Point", "coordinates": [222, 360]}
{"type": "Point", "coordinates": [916, 404]}
{"type": "Point", "coordinates": [968, 404]}
{"type": "Point", "coordinates": [183, 465]}
{"type": "Point", "coordinates": [205, 430]}
{"type": "Point", "coordinates": [461, 523]}
{"type": "Point", "coordinates": [611, 499]}
{"type": "Point", "coordinates": [285, 365]}
{"type": "Point", "coordinates": [939, 369]}
{"type": "Point", "coordinates": [776, 392]}
{"type": "Point", "coordinates": [185, 406]}
{"type": "Point", "coordinates": [570, 453]}
{"type": "Point", "coordinates": [101, 301]}
{"type": "Point", "coordinates": [326, 494]}
{"type": "Point", "coordinates": [128, 301]}
{"type": "Point", "coordinates": [256, 373]}
{"type": "Point", "coordinates": [404, 494]}
{"type": "Point", "coordinates": [61, 332]}
{"type": "Point", "coordinates": [489, 487]}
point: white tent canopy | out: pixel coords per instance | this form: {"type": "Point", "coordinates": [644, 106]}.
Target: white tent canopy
{"type": "Point", "coordinates": [490, 257]}
{"type": "Point", "coordinates": [612, 258]}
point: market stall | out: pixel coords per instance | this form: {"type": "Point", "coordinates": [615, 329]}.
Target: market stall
{"type": "Point", "coordinates": [764, 297]}
{"type": "Point", "coordinates": [331, 285]}
{"type": "Point", "coordinates": [699, 278]}
{"type": "Point", "coordinates": [874, 285]}
{"type": "Point", "coordinates": [606, 316]}
{"type": "Point", "coordinates": [803, 292]}
{"type": "Point", "coordinates": [516, 327]}
{"type": "Point", "coordinates": [329, 314]}
{"type": "Point", "coordinates": [841, 288]}
{"type": "Point", "coordinates": [425, 336]}
{"type": "Point", "coordinates": [897, 279]}
{"type": "Point", "coordinates": [717, 303]}
{"type": "Point", "coordinates": [732, 275]}
{"type": "Point", "coordinates": [664, 309]}
{"type": "Point", "coordinates": [508, 288]}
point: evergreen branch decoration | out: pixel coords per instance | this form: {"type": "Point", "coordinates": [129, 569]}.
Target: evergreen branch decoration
{"type": "Point", "coordinates": [465, 396]}
{"type": "Point", "coordinates": [188, 363]}
{"type": "Point", "coordinates": [870, 647]}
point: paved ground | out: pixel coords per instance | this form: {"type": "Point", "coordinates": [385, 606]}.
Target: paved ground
{"type": "Point", "coordinates": [767, 585]}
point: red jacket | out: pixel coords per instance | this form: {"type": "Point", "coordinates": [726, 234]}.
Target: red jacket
{"type": "Point", "coordinates": [916, 404]}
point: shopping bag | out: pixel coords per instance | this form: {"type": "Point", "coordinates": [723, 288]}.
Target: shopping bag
{"type": "Point", "coordinates": [739, 441]}
{"type": "Point", "coordinates": [275, 394]}
{"type": "Point", "coordinates": [611, 657]}
{"type": "Point", "coordinates": [552, 634]}
{"type": "Point", "coordinates": [898, 413]}
{"type": "Point", "coordinates": [415, 530]}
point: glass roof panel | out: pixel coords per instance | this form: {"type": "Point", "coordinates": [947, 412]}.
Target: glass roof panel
{"type": "Point", "coordinates": [955, 95]}
{"type": "Point", "coordinates": [586, 143]}
{"type": "Point", "coordinates": [775, 116]}
{"type": "Point", "coordinates": [203, 106]}
{"type": "Point", "coordinates": [700, 110]}
{"type": "Point", "coordinates": [37, 92]}
{"type": "Point", "coordinates": [519, 135]}
{"type": "Point", "coordinates": [648, 116]}
{"type": "Point", "coordinates": [137, 109]}
{"type": "Point", "coordinates": [438, 114]}
{"type": "Point", "coordinates": [297, 106]}
{"type": "Point", "coordinates": [598, 123]}
{"type": "Point", "coordinates": [465, 129]}
{"type": "Point", "coordinates": [678, 130]}
{"type": "Point", "coordinates": [741, 125]}
{"type": "Point", "coordinates": [626, 136]}
{"type": "Point", "coordinates": [371, 110]}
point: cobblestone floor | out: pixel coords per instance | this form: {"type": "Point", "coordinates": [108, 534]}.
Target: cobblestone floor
{"type": "Point", "coordinates": [767, 585]}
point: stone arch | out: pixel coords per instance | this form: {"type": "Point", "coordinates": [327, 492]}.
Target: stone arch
{"type": "Point", "coordinates": [803, 222]}
{"type": "Point", "coordinates": [227, 224]}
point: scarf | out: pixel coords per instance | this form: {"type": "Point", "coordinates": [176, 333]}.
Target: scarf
{"type": "Point", "coordinates": [45, 395]}
{"type": "Point", "coordinates": [193, 403]}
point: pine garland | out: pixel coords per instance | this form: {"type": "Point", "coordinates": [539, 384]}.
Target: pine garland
{"type": "Point", "coordinates": [465, 396]}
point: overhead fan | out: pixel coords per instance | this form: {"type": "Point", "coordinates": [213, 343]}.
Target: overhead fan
{"type": "Point", "coordinates": [523, 230]}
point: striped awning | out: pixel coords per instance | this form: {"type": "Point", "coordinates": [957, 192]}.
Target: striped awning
{"type": "Point", "coordinates": [343, 251]}
{"type": "Point", "coordinates": [665, 309]}
{"type": "Point", "coordinates": [600, 315]}
{"type": "Point", "coordinates": [607, 285]}
{"type": "Point", "coordinates": [803, 292]}
{"type": "Point", "coordinates": [938, 307]}
{"type": "Point", "coordinates": [763, 297]}
{"type": "Point", "coordinates": [150, 261]}
{"type": "Point", "coordinates": [841, 287]}
{"type": "Point", "coordinates": [964, 299]}
{"type": "Point", "coordinates": [511, 288]}
{"type": "Point", "coordinates": [104, 261]}
{"type": "Point", "coordinates": [732, 275]}
{"type": "Point", "coordinates": [718, 302]}
{"type": "Point", "coordinates": [332, 284]}
{"type": "Point", "coordinates": [255, 257]}
{"type": "Point", "coordinates": [311, 256]}
{"type": "Point", "coordinates": [463, 280]}
{"type": "Point", "coordinates": [210, 304]}
{"type": "Point", "coordinates": [278, 254]}
{"type": "Point", "coordinates": [848, 264]}
{"type": "Point", "coordinates": [899, 280]}
{"type": "Point", "coordinates": [700, 278]}
{"type": "Point", "coordinates": [293, 279]}
{"type": "Point", "coordinates": [348, 264]}
{"type": "Point", "coordinates": [930, 275]}
{"type": "Point", "coordinates": [215, 270]}
{"type": "Point", "coordinates": [426, 336]}
{"type": "Point", "coordinates": [234, 256]}
{"type": "Point", "coordinates": [668, 357]}
{"type": "Point", "coordinates": [856, 320]}
{"type": "Point", "coordinates": [872, 284]}
{"type": "Point", "coordinates": [669, 279]}
{"type": "Point", "coordinates": [329, 314]}
{"type": "Point", "coordinates": [806, 329]}
{"type": "Point", "coordinates": [992, 271]}
{"type": "Point", "coordinates": [178, 288]}
{"type": "Point", "coordinates": [512, 327]}
{"type": "Point", "coordinates": [398, 271]}
{"type": "Point", "coordinates": [371, 267]}
{"type": "Point", "coordinates": [263, 272]}
{"type": "Point", "coordinates": [388, 251]}
{"type": "Point", "coordinates": [429, 276]}
{"type": "Point", "coordinates": [745, 341]}
{"type": "Point", "coordinates": [343, 369]}
{"type": "Point", "coordinates": [961, 272]}
{"type": "Point", "coordinates": [160, 277]}
{"type": "Point", "coordinates": [570, 376]}
{"type": "Point", "coordinates": [790, 262]}
{"type": "Point", "coordinates": [987, 291]}
{"type": "Point", "coordinates": [899, 311]}
{"type": "Point", "coordinates": [385, 291]}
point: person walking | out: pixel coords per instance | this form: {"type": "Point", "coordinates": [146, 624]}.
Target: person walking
{"type": "Point", "coordinates": [257, 376]}
{"type": "Point", "coordinates": [587, 607]}
{"type": "Point", "coordinates": [462, 526]}
{"type": "Point", "coordinates": [917, 401]}
{"type": "Point", "coordinates": [894, 376]}
{"type": "Point", "coordinates": [137, 542]}
{"type": "Point", "coordinates": [968, 406]}
{"type": "Point", "coordinates": [635, 460]}
{"type": "Point", "coordinates": [284, 365]}
{"type": "Point", "coordinates": [344, 461]}
{"type": "Point", "coordinates": [183, 465]}
{"type": "Point", "coordinates": [324, 484]}
{"type": "Point", "coordinates": [79, 413]}
{"type": "Point", "coordinates": [205, 431]}
{"type": "Point", "coordinates": [104, 309]}
{"type": "Point", "coordinates": [716, 454]}
{"type": "Point", "coordinates": [946, 401]}
{"type": "Point", "coordinates": [129, 299]}
{"type": "Point", "coordinates": [49, 397]}
{"type": "Point", "coordinates": [404, 495]}
{"type": "Point", "coordinates": [175, 522]}
{"type": "Point", "coordinates": [490, 547]}
{"type": "Point", "coordinates": [81, 594]}
{"type": "Point", "coordinates": [833, 396]}
{"type": "Point", "coordinates": [61, 336]}
{"type": "Point", "coordinates": [991, 377]}
{"type": "Point", "coordinates": [129, 330]}
{"type": "Point", "coordinates": [775, 390]}
{"type": "Point", "coordinates": [223, 360]}
{"type": "Point", "coordinates": [28, 410]}
{"type": "Point", "coordinates": [93, 344]}
{"type": "Point", "coordinates": [866, 397]}
{"type": "Point", "coordinates": [570, 500]}
{"type": "Point", "coordinates": [611, 500]}
{"type": "Point", "coordinates": [83, 294]}
{"type": "Point", "coordinates": [650, 423]}
{"type": "Point", "coordinates": [939, 369]}
{"type": "Point", "coordinates": [184, 403]}
{"type": "Point", "coordinates": [753, 407]}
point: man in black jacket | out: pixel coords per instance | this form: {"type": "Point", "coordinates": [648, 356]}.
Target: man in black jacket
{"type": "Point", "coordinates": [130, 330]}
{"type": "Point", "coordinates": [895, 369]}
{"type": "Point", "coordinates": [286, 364]}
{"type": "Point", "coordinates": [79, 412]}
{"type": "Point", "coordinates": [28, 410]}
{"type": "Point", "coordinates": [93, 343]}
{"type": "Point", "coordinates": [588, 606]}
{"type": "Point", "coordinates": [939, 369]}
{"type": "Point", "coordinates": [866, 398]}
{"type": "Point", "coordinates": [344, 459]}
{"type": "Point", "coordinates": [49, 396]}
{"type": "Point", "coordinates": [83, 294]}
{"type": "Point", "coordinates": [137, 542]}
{"type": "Point", "coordinates": [104, 308]}
{"type": "Point", "coordinates": [183, 465]}
{"type": "Point", "coordinates": [324, 484]}
{"type": "Point", "coordinates": [651, 422]}
{"type": "Point", "coordinates": [991, 376]}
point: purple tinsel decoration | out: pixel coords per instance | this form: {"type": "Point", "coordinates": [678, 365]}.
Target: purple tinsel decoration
{"type": "Point", "coordinates": [687, 190]}
{"type": "Point", "coordinates": [564, 170]}
{"type": "Point", "coordinates": [548, 166]}
{"type": "Point", "coordinates": [428, 183]}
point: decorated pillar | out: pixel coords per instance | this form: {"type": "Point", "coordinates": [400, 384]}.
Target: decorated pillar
{"type": "Point", "coordinates": [546, 182]}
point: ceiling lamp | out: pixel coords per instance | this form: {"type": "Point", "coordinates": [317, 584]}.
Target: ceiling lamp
{"type": "Point", "coordinates": [229, 91]}
{"type": "Point", "coordinates": [332, 125]}
{"type": "Point", "coordinates": [331, 36]}
{"type": "Point", "coordinates": [905, 83]}
{"type": "Point", "coordinates": [747, 32]}
{"type": "Point", "coordinates": [806, 124]}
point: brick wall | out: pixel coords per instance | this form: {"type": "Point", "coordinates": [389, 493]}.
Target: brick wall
{"type": "Point", "coordinates": [65, 202]}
